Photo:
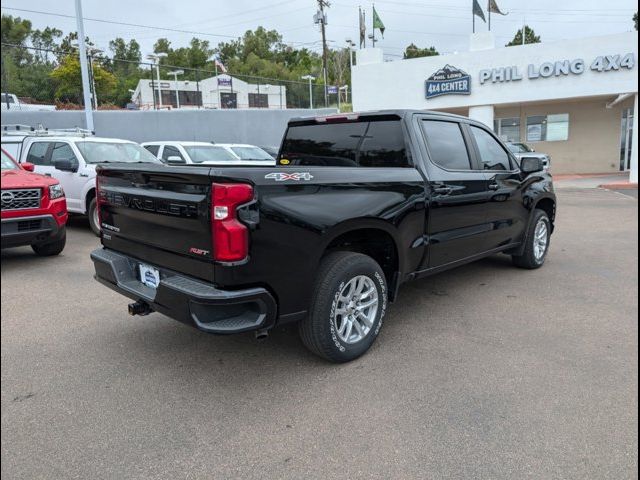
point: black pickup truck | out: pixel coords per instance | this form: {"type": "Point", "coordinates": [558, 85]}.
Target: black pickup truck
{"type": "Point", "coordinates": [357, 205]}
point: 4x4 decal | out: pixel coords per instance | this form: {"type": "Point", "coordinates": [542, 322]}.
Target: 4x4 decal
{"type": "Point", "coordinates": [281, 176]}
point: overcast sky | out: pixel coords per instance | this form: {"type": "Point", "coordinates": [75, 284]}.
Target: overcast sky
{"type": "Point", "coordinates": [445, 24]}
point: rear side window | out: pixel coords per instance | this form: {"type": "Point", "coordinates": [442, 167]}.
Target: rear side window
{"type": "Point", "coordinates": [447, 147]}
{"type": "Point", "coordinates": [153, 149]}
{"type": "Point", "coordinates": [38, 154]}
{"type": "Point", "coordinates": [364, 144]}
{"type": "Point", "coordinates": [492, 155]}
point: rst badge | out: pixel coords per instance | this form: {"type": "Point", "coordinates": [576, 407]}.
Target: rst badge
{"type": "Point", "coordinates": [448, 80]}
{"type": "Point", "coordinates": [296, 176]}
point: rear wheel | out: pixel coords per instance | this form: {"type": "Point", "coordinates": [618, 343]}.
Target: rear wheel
{"type": "Point", "coordinates": [92, 213]}
{"type": "Point", "coordinates": [536, 242]}
{"type": "Point", "coordinates": [347, 309]}
{"type": "Point", "coordinates": [51, 248]}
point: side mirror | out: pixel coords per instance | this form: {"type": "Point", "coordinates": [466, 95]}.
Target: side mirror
{"type": "Point", "coordinates": [531, 165]}
{"type": "Point", "coordinates": [175, 159]}
{"type": "Point", "coordinates": [28, 166]}
{"type": "Point", "coordinates": [67, 165]}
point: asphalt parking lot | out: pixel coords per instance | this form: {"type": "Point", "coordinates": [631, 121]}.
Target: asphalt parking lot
{"type": "Point", "coordinates": [486, 371]}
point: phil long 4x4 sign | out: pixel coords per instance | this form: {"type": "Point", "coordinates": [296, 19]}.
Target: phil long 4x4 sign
{"type": "Point", "coordinates": [448, 80]}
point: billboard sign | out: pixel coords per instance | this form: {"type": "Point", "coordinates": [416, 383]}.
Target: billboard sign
{"type": "Point", "coordinates": [448, 80]}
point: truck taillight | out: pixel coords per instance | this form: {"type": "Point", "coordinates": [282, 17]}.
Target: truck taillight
{"type": "Point", "coordinates": [230, 236]}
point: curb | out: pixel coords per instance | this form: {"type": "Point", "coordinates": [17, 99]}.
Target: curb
{"type": "Point", "coordinates": [619, 186]}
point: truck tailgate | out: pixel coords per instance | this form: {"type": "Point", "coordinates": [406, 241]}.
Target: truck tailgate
{"type": "Point", "coordinates": [158, 215]}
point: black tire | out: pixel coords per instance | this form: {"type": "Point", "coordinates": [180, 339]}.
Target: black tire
{"type": "Point", "coordinates": [528, 258]}
{"type": "Point", "coordinates": [91, 213]}
{"type": "Point", "coordinates": [318, 330]}
{"type": "Point", "coordinates": [51, 248]}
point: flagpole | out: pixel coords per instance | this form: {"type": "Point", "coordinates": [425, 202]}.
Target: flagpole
{"type": "Point", "coordinates": [473, 18]}
{"type": "Point", "coordinates": [489, 17]}
{"type": "Point", "coordinates": [373, 25]}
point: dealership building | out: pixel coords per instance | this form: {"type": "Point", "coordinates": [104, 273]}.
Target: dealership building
{"type": "Point", "coordinates": [573, 99]}
{"type": "Point", "coordinates": [220, 91]}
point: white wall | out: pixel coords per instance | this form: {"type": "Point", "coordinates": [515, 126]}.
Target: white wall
{"type": "Point", "coordinates": [401, 84]}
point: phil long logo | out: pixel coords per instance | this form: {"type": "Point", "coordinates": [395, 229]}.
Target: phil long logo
{"type": "Point", "coordinates": [448, 81]}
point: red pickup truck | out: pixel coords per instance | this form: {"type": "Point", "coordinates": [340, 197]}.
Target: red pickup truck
{"type": "Point", "coordinates": [34, 209]}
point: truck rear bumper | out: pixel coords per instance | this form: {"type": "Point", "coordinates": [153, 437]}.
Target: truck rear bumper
{"type": "Point", "coordinates": [18, 231]}
{"type": "Point", "coordinates": [187, 299]}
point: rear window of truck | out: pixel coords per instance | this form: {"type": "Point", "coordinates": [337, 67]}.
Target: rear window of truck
{"type": "Point", "coordinates": [348, 144]}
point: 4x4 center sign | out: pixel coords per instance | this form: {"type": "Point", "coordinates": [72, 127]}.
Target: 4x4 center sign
{"type": "Point", "coordinates": [448, 80]}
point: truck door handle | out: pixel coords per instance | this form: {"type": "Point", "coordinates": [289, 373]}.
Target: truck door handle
{"type": "Point", "coordinates": [494, 186]}
{"type": "Point", "coordinates": [442, 189]}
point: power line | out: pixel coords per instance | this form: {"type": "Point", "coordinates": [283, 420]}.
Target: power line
{"type": "Point", "coordinates": [137, 25]}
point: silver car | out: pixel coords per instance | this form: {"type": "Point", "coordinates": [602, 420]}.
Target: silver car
{"type": "Point", "coordinates": [523, 150]}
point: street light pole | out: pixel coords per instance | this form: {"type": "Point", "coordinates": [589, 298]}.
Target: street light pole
{"type": "Point", "coordinates": [175, 74]}
{"type": "Point", "coordinates": [310, 78]}
{"type": "Point", "coordinates": [156, 60]}
{"type": "Point", "coordinates": [84, 72]}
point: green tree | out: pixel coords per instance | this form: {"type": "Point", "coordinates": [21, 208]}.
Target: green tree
{"type": "Point", "coordinates": [16, 31]}
{"type": "Point", "coordinates": [195, 56]}
{"type": "Point", "coordinates": [67, 79]}
{"type": "Point", "coordinates": [529, 37]}
{"type": "Point", "coordinates": [412, 51]}
{"type": "Point", "coordinates": [635, 20]}
{"type": "Point", "coordinates": [45, 43]}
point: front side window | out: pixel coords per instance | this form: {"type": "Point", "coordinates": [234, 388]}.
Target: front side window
{"type": "Point", "coordinates": [38, 154]}
{"type": "Point", "coordinates": [447, 147]}
{"type": "Point", "coordinates": [61, 151]}
{"type": "Point", "coordinates": [492, 155]}
{"type": "Point", "coordinates": [171, 151]}
{"type": "Point", "coordinates": [153, 149]}
{"type": "Point", "coordinates": [507, 129]}
{"type": "Point", "coordinates": [548, 128]}
{"type": "Point", "coordinates": [107, 152]}
{"type": "Point", "coordinates": [199, 154]}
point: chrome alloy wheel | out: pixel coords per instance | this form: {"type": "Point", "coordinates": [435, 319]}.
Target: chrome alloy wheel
{"type": "Point", "coordinates": [356, 309]}
{"type": "Point", "coordinates": [540, 240]}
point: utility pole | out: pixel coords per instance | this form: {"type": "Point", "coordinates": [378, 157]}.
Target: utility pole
{"type": "Point", "coordinates": [323, 21]}
{"type": "Point", "coordinates": [84, 71]}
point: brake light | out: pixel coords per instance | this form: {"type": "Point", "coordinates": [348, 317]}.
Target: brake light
{"type": "Point", "coordinates": [230, 236]}
{"type": "Point", "coordinates": [337, 118]}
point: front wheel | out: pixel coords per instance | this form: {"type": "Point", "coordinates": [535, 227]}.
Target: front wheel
{"type": "Point", "coordinates": [51, 248]}
{"type": "Point", "coordinates": [536, 242]}
{"type": "Point", "coordinates": [94, 220]}
{"type": "Point", "coordinates": [347, 309]}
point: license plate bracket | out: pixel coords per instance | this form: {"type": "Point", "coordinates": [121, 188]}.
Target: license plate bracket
{"type": "Point", "coordinates": [149, 276]}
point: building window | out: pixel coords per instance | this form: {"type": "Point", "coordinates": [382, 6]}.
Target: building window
{"type": "Point", "coordinates": [548, 128]}
{"type": "Point", "coordinates": [507, 129]}
{"type": "Point", "coordinates": [258, 100]}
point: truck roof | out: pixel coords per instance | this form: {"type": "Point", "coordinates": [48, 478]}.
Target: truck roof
{"type": "Point", "coordinates": [400, 113]}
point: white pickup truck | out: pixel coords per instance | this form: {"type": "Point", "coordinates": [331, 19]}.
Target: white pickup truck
{"type": "Point", "coordinates": [11, 102]}
{"type": "Point", "coordinates": [71, 158]}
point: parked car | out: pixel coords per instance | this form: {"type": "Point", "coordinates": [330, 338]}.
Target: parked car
{"type": "Point", "coordinates": [521, 150]}
{"type": "Point", "coordinates": [71, 157]}
{"type": "Point", "coordinates": [208, 153]}
{"type": "Point", "coordinates": [11, 102]}
{"type": "Point", "coordinates": [238, 249]}
{"type": "Point", "coordinates": [248, 153]}
{"type": "Point", "coordinates": [34, 210]}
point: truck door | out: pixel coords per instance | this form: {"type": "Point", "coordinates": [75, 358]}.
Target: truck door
{"type": "Point", "coordinates": [506, 213]}
{"type": "Point", "coordinates": [72, 182]}
{"type": "Point", "coordinates": [458, 189]}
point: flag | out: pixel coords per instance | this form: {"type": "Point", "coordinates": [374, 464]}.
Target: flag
{"type": "Point", "coordinates": [477, 11]}
{"type": "Point", "coordinates": [492, 7]}
{"type": "Point", "coordinates": [363, 30]}
{"type": "Point", "coordinates": [377, 23]}
{"type": "Point", "coordinates": [219, 64]}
